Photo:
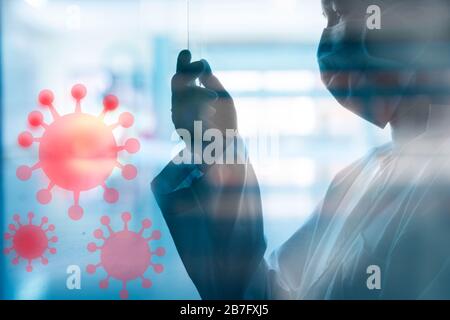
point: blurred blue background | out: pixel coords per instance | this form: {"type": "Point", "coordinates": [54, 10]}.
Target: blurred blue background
{"type": "Point", "coordinates": [264, 52]}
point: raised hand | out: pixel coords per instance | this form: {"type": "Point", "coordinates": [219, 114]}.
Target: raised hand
{"type": "Point", "coordinates": [211, 104]}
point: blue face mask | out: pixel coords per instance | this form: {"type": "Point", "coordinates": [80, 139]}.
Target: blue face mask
{"type": "Point", "coordinates": [367, 86]}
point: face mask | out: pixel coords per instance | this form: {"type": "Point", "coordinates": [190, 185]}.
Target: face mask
{"type": "Point", "coordinates": [369, 87]}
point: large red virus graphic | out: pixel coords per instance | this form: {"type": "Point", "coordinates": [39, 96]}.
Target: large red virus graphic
{"type": "Point", "coordinates": [125, 255]}
{"type": "Point", "coordinates": [77, 151]}
{"type": "Point", "coordinates": [30, 241]}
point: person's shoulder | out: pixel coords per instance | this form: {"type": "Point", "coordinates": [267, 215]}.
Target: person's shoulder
{"type": "Point", "coordinates": [350, 172]}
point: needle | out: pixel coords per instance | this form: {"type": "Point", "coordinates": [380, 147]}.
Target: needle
{"type": "Point", "coordinates": [188, 32]}
{"type": "Point", "coordinates": [188, 24]}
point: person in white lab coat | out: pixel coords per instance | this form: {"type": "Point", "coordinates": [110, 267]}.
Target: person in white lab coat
{"type": "Point", "coordinates": [388, 212]}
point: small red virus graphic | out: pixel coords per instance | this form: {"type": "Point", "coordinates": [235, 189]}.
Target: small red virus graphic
{"type": "Point", "coordinates": [30, 241]}
{"type": "Point", "coordinates": [77, 151]}
{"type": "Point", "coordinates": [125, 255]}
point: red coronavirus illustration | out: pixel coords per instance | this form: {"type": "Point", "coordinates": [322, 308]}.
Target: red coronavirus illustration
{"type": "Point", "coordinates": [126, 255]}
{"type": "Point", "coordinates": [77, 151]}
{"type": "Point", "coordinates": [30, 241]}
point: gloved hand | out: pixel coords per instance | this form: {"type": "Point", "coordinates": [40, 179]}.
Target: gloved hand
{"type": "Point", "coordinates": [211, 104]}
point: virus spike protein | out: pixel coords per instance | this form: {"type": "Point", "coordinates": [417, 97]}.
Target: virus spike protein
{"type": "Point", "coordinates": [78, 151]}
{"type": "Point", "coordinates": [125, 255]}
{"type": "Point", "coordinates": [29, 241]}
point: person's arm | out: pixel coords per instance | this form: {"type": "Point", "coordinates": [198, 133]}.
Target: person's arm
{"type": "Point", "coordinates": [216, 223]}
{"type": "Point", "coordinates": [213, 211]}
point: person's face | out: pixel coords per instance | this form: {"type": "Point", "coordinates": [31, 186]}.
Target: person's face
{"type": "Point", "coordinates": [367, 69]}
{"type": "Point", "coordinates": [403, 22]}
{"type": "Point", "coordinates": [336, 11]}
{"type": "Point", "coordinates": [345, 65]}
